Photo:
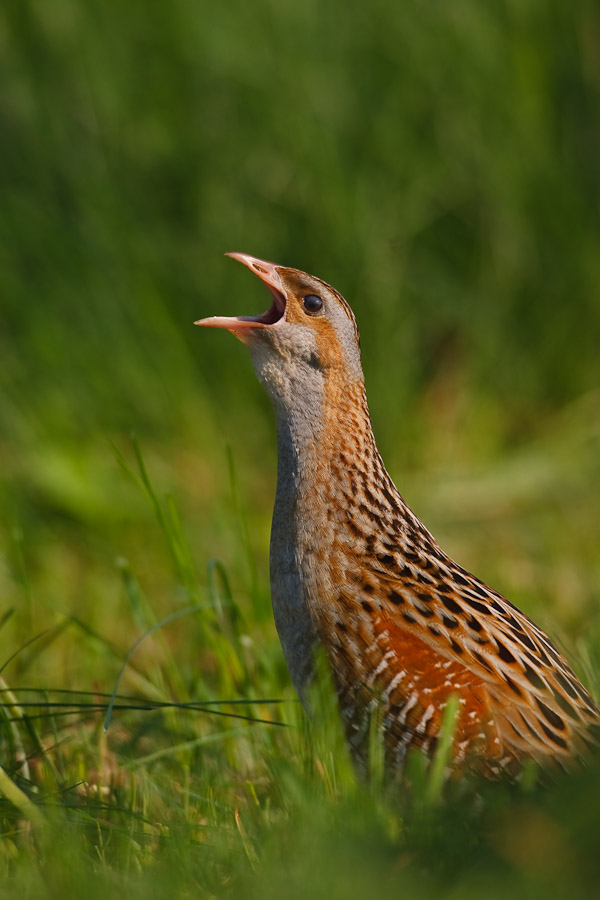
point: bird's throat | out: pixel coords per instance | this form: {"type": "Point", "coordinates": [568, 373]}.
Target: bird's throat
{"type": "Point", "coordinates": [318, 445]}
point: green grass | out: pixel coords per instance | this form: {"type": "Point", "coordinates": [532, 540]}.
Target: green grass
{"type": "Point", "coordinates": [183, 794]}
{"type": "Point", "coordinates": [438, 164]}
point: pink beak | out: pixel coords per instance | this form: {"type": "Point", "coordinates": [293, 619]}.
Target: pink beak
{"type": "Point", "coordinates": [242, 326]}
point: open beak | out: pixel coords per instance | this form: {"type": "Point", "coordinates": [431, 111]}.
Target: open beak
{"type": "Point", "coordinates": [242, 326]}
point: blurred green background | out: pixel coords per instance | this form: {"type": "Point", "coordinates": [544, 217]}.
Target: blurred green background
{"type": "Point", "coordinates": [436, 162]}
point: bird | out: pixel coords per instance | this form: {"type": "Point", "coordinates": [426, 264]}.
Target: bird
{"type": "Point", "coordinates": [355, 574]}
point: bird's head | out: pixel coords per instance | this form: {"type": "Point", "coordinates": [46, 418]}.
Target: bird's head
{"type": "Point", "coordinates": [307, 337]}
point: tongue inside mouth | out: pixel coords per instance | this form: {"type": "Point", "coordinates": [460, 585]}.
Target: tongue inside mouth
{"type": "Point", "coordinates": [273, 314]}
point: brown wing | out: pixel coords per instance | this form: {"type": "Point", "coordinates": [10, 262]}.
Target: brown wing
{"type": "Point", "coordinates": [412, 683]}
{"type": "Point", "coordinates": [420, 639]}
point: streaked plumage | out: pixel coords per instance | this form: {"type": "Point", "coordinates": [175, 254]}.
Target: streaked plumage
{"type": "Point", "coordinates": [354, 570]}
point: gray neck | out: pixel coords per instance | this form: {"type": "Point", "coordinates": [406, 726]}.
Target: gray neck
{"type": "Point", "coordinates": [317, 418]}
{"type": "Point", "coordinates": [324, 439]}
{"type": "Point", "coordinates": [298, 438]}
{"type": "Point", "coordinates": [314, 444]}
{"type": "Point", "coordinates": [299, 458]}
{"type": "Point", "coordinates": [297, 390]}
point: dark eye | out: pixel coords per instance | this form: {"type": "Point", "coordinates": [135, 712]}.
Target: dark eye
{"type": "Point", "coordinates": [312, 304]}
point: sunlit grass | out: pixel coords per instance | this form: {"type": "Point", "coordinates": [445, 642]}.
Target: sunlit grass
{"type": "Point", "coordinates": [211, 778]}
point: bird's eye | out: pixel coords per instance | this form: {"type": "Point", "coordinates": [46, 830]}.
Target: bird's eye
{"type": "Point", "coordinates": [312, 304]}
